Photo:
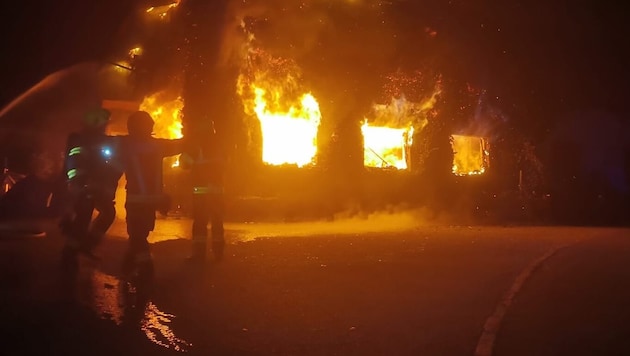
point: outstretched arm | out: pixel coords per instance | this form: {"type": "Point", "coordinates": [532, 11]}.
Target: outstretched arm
{"type": "Point", "coordinates": [171, 147]}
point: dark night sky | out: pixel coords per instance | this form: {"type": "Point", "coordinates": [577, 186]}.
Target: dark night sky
{"type": "Point", "coordinates": [40, 37]}
{"type": "Point", "coordinates": [544, 59]}
{"type": "Point", "coordinates": [541, 58]}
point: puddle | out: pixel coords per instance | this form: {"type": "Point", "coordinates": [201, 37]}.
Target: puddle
{"type": "Point", "coordinates": [130, 307]}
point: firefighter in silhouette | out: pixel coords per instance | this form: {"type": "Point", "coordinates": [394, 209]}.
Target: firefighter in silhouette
{"type": "Point", "coordinates": [92, 178]}
{"type": "Point", "coordinates": [142, 157]}
{"type": "Point", "coordinates": [206, 165]}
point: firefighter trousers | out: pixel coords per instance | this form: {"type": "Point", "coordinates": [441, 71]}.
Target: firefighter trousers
{"type": "Point", "coordinates": [140, 222]}
{"type": "Point", "coordinates": [83, 233]}
{"type": "Point", "coordinates": [207, 208]}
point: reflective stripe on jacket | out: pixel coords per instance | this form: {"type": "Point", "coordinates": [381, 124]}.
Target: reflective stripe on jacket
{"type": "Point", "coordinates": [209, 189]}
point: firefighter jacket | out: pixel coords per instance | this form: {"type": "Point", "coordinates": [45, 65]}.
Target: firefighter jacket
{"type": "Point", "coordinates": [142, 159]}
{"type": "Point", "coordinates": [89, 164]}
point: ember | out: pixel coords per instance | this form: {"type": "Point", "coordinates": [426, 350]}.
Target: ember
{"type": "Point", "coordinates": [162, 11]}
{"type": "Point", "coordinates": [470, 156]}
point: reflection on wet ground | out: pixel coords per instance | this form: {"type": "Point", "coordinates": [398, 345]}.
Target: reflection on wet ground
{"type": "Point", "coordinates": [359, 294]}
{"type": "Point", "coordinates": [129, 305]}
{"type": "Point", "coordinates": [154, 326]}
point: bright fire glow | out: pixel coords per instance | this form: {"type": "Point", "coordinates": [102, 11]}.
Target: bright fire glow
{"type": "Point", "coordinates": [388, 134]}
{"type": "Point", "coordinates": [289, 117]}
{"type": "Point", "coordinates": [289, 137]}
{"type": "Point", "coordinates": [166, 114]}
{"type": "Point", "coordinates": [136, 51]}
{"type": "Point", "coordinates": [470, 156]}
{"type": "Point", "coordinates": [386, 146]}
{"type": "Point", "coordinates": [162, 11]}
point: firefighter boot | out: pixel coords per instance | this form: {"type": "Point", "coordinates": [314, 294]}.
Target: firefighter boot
{"type": "Point", "coordinates": [137, 266]}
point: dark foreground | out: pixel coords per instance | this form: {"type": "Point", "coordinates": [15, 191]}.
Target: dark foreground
{"type": "Point", "coordinates": [417, 291]}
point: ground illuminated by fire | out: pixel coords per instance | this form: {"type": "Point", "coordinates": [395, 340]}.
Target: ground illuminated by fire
{"type": "Point", "coordinates": [169, 229]}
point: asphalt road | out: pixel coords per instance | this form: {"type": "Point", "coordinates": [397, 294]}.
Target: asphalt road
{"type": "Point", "coordinates": [377, 287]}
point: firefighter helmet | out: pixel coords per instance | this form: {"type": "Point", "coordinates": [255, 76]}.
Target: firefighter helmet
{"type": "Point", "coordinates": [97, 118]}
{"type": "Point", "coordinates": [140, 123]}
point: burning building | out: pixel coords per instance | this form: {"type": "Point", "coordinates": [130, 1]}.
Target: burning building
{"type": "Point", "coordinates": [287, 116]}
{"type": "Point", "coordinates": [386, 147]}
{"type": "Point", "coordinates": [282, 122]}
{"type": "Point", "coordinates": [390, 130]}
{"type": "Point", "coordinates": [471, 155]}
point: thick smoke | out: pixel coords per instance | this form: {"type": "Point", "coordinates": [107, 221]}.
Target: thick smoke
{"type": "Point", "coordinates": [391, 220]}
{"type": "Point", "coordinates": [343, 224]}
{"type": "Point", "coordinates": [326, 38]}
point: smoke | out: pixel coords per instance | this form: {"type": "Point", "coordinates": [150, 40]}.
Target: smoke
{"type": "Point", "coordinates": [376, 222]}
{"type": "Point", "coordinates": [481, 118]}
{"type": "Point", "coordinates": [411, 100]}
{"type": "Point", "coordinates": [350, 222]}
{"type": "Point", "coordinates": [315, 31]}
{"type": "Point", "coordinates": [288, 28]}
{"type": "Point", "coordinates": [392, 220]}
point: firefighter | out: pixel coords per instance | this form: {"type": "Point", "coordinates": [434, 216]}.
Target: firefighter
{"type": "Point", "coordinates": [92, 179]}
{"type": "Point", "coordinates": [206, 166]}
{"type": "Point", "coordinates": [143, 160]}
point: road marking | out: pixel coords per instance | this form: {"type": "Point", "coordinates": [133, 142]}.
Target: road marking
{"type": "Point", "coordinates": [485, 345]}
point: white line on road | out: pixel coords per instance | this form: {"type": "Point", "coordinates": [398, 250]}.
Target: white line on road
{"type": "Point", "coordinates": [485, 345]}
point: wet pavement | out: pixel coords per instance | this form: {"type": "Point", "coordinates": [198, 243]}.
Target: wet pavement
{"type": "Point", "coordinates": [316, 289]}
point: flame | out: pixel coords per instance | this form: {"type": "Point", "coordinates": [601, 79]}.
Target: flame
{"type": "Point", "coordinates": [289, 116]}
{"type": "Point", "coordinates": [386, 146]}
{"type": "Point", "coordinates": [162, 11]}
{"type": "Point", "coordinates": [166, 113]}
{"type": "Point", "coordinates": [389, 128]}
{"type": "Point", "coordinates": [289, 137]}
{"type": "Point", "coordinates": [387, 139]}
{"type": "Point", "coordinates": [134, 52]}
{"type": "Point", "coordinates": [470, 156]}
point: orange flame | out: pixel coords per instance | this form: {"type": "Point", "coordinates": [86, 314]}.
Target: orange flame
{"type": "Point", "coordinates": [162, 11]}
{"type": "Point", "coordinates": [289, 117]}
{"type": "Point", "coordinates": [166, 113]}
{"type": "Point", "coordinates": [386, 146]}
{"type": "Point", "coordinates": [134, 52]}
{"type": "Point", "coordinates": [388, 137]}
{"type": "Point", "coordinates": [471, 155]}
